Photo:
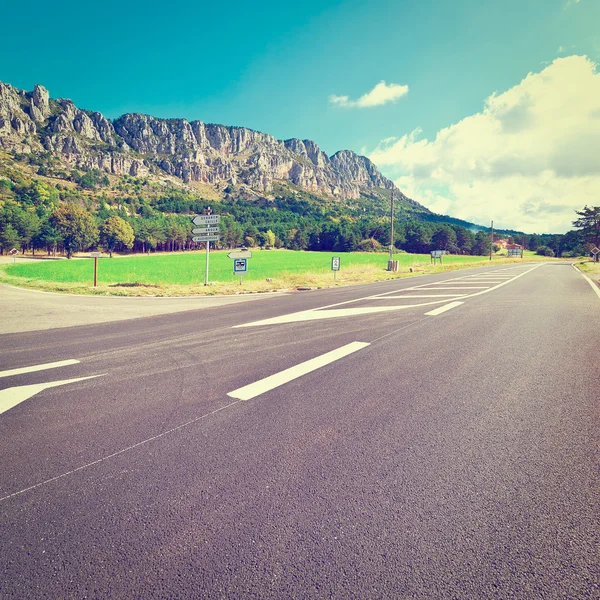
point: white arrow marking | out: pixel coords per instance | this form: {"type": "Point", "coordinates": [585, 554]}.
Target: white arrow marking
{"type": "Point", "coordinates": [52, 365]}
{"type": "Point", "coordinates": [10, 397]}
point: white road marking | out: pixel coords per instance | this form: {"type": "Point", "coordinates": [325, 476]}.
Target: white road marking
{"type": "Point", "coordinates": [330, 311]}
{"type": "Point", "coordinates": [52, 365]}
{"type": "Point", "coordinates": [268, 383]}
{"type": "Point", "coordinates": [411, 296]}
{"type": "Point", "coordinates": [442, 309]}
{"type": "Point", "coordinates": [9, 398]}
{"type": "Point", "coordinates": [590, 281]}
{"type": "Point", "coordinates": [460, 287]}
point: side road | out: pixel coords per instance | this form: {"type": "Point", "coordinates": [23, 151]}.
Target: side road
{"type": "Point", "coordinates": [29, 310]}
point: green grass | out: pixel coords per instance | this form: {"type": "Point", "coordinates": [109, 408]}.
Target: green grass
{"type": "Point", "coordinates": [189, 268]}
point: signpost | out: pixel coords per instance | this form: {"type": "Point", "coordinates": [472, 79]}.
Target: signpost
{"type": "Point", "coordinates": [209, 231]}
{"type": "Point", "coordinates": [595, 251]}
{"type": "Point", "coordinates": [515, 252]}
{"type": "Point", "coordinates": [240, 261]}
{"type": "Point", "coordinates": [14, 253]}
{"type": "Point", "coordinates": [240, 265]}
{"type": "Point", "coordinates": [335, 265]}
{"type": "Point", "coordinates": [435, 254]}
{"type": "Point", "coordinates": [96, 255]}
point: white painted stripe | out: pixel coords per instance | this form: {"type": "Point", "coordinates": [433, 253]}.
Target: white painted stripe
{"type": "Point", "coordinates": [442, 309]}
{"type": "Point", "coordinates": [52, 365]}
{"type": "Point", "coordinates": [10, 397]}
{"type": "Point", "coordinates": [411, 296]}
{"type": "Point", "coordinates": [591, 282]}
{"type": "Point", "coordinates": [459, 287]}
{"type": "Point", "coordinates": [268, 383]}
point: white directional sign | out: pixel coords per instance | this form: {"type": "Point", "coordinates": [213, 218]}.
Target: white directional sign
{"type": "Point", "coordinates": [206, 230]}
{"type": "Point", "coordinates": [206, 219]}
{"type": "Point", "coordinates": [240, 254]}
{"type": "Point", "coordinates": [206, 238]}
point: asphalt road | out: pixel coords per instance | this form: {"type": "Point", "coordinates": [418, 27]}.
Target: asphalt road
{"type": "Point", "coordinates": [428, 438]}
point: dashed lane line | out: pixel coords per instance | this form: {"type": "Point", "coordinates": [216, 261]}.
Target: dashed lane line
{"type": "Point", "coordinates": [278, 379]}
{"type": "Point", "coordinates": [443, 309]}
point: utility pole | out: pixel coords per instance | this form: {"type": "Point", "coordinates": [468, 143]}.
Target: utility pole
{"type": "Point", "coordinates": [391, 259]}
{"type": "Point", "coordinates": [492, 241]}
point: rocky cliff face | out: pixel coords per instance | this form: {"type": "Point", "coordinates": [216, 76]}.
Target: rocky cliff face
{"type": "Point", "coordinates": [138, 144]}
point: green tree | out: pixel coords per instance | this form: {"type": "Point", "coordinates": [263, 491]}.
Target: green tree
{"type": "Point", "coordinates": [444, 239]}
{"type": "Point", "coordinates": [9, 238]}
{"type": "Point", "coordinates": [116, 232]}
{"type": "Point", "coordinates": [482, 244]}
{"type": "Point", "coordinates": [76, 226]}
{"type": "Point", "coordinates": [589, 224]}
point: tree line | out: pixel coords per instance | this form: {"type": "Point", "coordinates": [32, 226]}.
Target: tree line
{"type": "Point", "coordinates": [36, 216]}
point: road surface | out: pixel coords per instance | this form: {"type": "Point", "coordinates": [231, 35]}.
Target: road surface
{"type": "Point", "coordinates": [428, 438]}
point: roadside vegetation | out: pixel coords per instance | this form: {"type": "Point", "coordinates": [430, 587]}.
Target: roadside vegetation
{"type": "Point", "coordinates": [293, 236]}
{"type": "Point", "coordinates": [182, 274]}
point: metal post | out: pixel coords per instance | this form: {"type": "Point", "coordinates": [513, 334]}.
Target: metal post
{"type": "Point", "coordinates": [390, 266]}
{"type": "Point", "coordinates": [492, 241]}
{"type": "Point", "coordinates": [206, 274]}
{"type": "Point", "coordinates": [95, 271]}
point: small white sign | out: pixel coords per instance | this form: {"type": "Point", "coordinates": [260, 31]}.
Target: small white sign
{"type": "Point", "coordinates": [437, 253]}
{"type": "Point", "coordinates": [13, 251]}
{"type": "Point", "coordinates": [206, 219]}
{"type": "Point", "coordinates": [240, 254]}
{"type": "Point", "coordinates": [335, 263]}
{"type": "Point", "coordinates": [206, 230]}
{"type": "Point", "coordinates": [206, 238]}
{"type": "Point", "coordinates": [240, 265]}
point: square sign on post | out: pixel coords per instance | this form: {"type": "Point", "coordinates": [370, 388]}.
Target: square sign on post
{"type": "Point", "coordinates": [335, 265]}
{"type": "Point", "coordinates": [240, 265]}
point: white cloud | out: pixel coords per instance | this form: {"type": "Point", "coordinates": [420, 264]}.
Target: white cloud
{"type": "Point", "coordinates": [527, 160]}
{"type": "Point", "coordinates": [382, 93]}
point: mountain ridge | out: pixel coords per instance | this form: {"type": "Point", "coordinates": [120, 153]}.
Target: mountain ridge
{"type": "Point", "coordinates": [134, 144]}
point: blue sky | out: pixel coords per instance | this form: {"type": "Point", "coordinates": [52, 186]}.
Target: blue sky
{"type": "Point", "coordinates": [275, 67]}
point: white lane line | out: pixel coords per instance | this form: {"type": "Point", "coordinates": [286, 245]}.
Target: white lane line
{"type": "Point", "coordinates": [411, 296]}
{"type": "Point", "coordinates": [52, 365]}
{"type": "Point", "coordinates": [10, 397]}
{"type": "Point", "coordinates": [442, 309]}
{"type": "Point", "coordinates": [459, 287]}
{"type": "Point", "coordinates": [330, 311]}
{"type": "Point", "coordinates": [590, 281]}
{"type": "Point", "coordinates": [268, 383]}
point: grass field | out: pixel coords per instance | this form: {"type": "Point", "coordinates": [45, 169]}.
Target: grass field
{"type": "Point", "coordinates": [183, 273]}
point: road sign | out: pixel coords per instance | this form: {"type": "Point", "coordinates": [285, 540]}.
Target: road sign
{"type": "Point", "coordinates": [206, 230]}
{"type": "Point", "coordinates": [206, 219]}
{"type": "Point", "coordinates": [335, 263]}
{"type": "Point", "coordinates": [206, 238]}
{"type": "Point", "coordinates": [240, 254]}
{"type": "Point", "coordinates": [437, 253]}
{"type": "Point", "coordinates": [594, 250]}
{"type": "Point", "coordinates": [13, 251]}
{"type": "Point", "coordinates": [240, 265]}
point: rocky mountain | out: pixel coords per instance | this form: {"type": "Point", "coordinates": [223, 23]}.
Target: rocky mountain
{"type": "Point", "coordinates": [142, 145]}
